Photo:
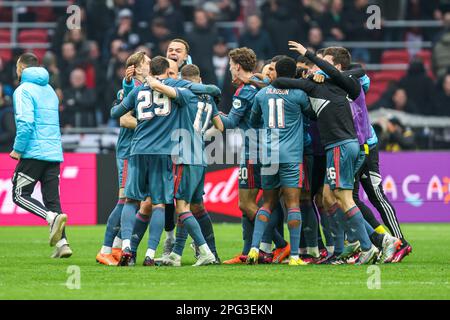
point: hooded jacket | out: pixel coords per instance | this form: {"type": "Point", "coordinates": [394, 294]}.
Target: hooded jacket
{"type": "Point", "coordinates": [37, 117]}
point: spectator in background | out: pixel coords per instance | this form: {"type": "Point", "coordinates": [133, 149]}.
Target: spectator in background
{"type": "Point", "coordinates": [7, 122]}
{"type": "Point", "coordinates": [332, 21]}
{"type": "Point", "coordinates": [146, 49]}
{"type": "Point", "coordinates": [281, 25]}
{"type": "Point", "coordinates": [201, 40]}
{"type": "Point", "coordinates": [49, 62]}
{"type": "Point", "coordinates": [173, 18]}
{"type": "Point", "coordinates": [61, 30]}
{"type": "Point", "coordinates": [443, 97]}
{"type": "Point", "coordinates": [118, 51]}
{"type": "Point", "coordinates": [79, 102]}
{"type": "Point", "coordinates": [401, 102]}
{"type": "Point", "coordinates": [96, 79]}
{"type": "Point", "coordinates": [113, 87]}
{"type": "Point", "coordinates": [256, 38]}
{"type": "Point", "coordinates": [227, 10]}
{"type": "Point", "coordinates": [223, 10]}
{"type": "Point", "coordinates": [6, 76]}
{"type": "Point", "coordinates": [220, 61]}
{"type": "Point", "coordinates": [441, 49]}
{"type": "Point", "coordinates": [124, 30]}
{"type": "Point", "coordinates": [159, 33]}
{"type": "Point", "coordinates": [99, 18]}
{"type": "Point", "coordinates": [398, 137]}
{"type": "Point", "coordinates": [356, 29]}
{"type": "Point", "coordinates": [68, 62]}
{"type": "Point", "coordinates": [419, 87]}
{"type": "Point", "coordinates": [315, 39]}
{"type": "Point", "coordinates": [78, 38]}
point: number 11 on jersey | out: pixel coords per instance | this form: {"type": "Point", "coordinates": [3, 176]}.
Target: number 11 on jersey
{"type": "Point", "coordinates": [276, 113]}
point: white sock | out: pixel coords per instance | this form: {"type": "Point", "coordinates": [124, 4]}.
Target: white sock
{"type": "Point", "coordinates": [313, 251]}
{"type": "Point", "coordinates": [50, 216]}
{"type": "Point", "coordinates": [61, 242]}
{"type": "Point", "coordinates": [117, 243]}
{"type": "Point", "coordinates": [171, 235]}
{"type": "Point", "coordinates": [266, 247]}
{"type": "Point", "coordinates": [330, 249]}
{"type": "Point", "coordinates": [106, 250]}
{"type": "Point", "coordinates": [150, 253]}
{"type": "Point", "coordinates": [204, 250]}
{"type": "Point", "coordinates": [303, 251]}
{"type": "Point", "coordinates": [126, 243]}
{"type": "Point", "coordinates": [294, 256]}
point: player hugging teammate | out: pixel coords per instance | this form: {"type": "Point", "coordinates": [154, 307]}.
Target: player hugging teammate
{"type": "Point", "coordinates": [162, 162]}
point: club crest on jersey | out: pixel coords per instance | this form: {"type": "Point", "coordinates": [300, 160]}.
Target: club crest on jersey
{"type": "Point", "coordinates": [237, 104]}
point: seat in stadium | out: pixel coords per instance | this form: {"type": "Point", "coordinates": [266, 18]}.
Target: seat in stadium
{"type": "Point", "coordinates": [5, 14]}
{"type": "Point", "coordinates": [388, 75]}
{"type": "Point", "coordinates": [33, 35]}
{"type": "Point", "coordinates": [425, 55]}
{"type": "Point", "coordinates": [5, 35]}
{"type": "Point", "coordinates": [5, 55]}
{"type": "Point", "coordinates": [395, 56]}
{"type": "Point", "coordinates": [44, 14]}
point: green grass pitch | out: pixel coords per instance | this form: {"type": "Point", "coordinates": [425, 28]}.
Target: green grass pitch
{"type": "Point", "coordinates": [27, 272]}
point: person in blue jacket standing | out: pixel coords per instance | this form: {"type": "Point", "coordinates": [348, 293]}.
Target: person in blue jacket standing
{"type": "Point", "coordinates": [38, 149]}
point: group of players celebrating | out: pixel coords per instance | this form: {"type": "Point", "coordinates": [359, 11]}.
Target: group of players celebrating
{"type": "Point", "coordinates": [307, 144]}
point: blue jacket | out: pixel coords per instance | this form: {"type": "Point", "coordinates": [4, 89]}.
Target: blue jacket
{"type": "Point", "coordinates": [36, 108]}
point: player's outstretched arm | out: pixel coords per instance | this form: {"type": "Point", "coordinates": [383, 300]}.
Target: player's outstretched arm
{"type": "Point", "coordinates": [199, 88]}
{"type": "Point", "coordinates": [161, 87]}
{"type": "Point", "coordinates": [128, 121]}
{"type": "Point", "coordinates": [289, 83]}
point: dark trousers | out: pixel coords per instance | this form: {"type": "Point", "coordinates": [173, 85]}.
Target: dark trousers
{"type": "Point", "coordinates": [371, 182]}
{"type": "Point", "coordinates": [29, 172]}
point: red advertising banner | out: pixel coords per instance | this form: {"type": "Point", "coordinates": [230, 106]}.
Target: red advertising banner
{"type": "Point", "coordinates": [78, 189]}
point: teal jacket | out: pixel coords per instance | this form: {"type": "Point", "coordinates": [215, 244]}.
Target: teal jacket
{"type": "Point", "coordinates": [36, 110]}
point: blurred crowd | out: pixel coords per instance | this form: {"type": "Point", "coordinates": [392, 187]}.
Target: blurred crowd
{"type": "Point", "coordinates": [87, 65]}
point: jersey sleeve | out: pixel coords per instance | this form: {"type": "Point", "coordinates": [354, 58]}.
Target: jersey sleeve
{"type": "Point", "coordinates": [127, 104]}
{"type": "Point", "coordinates": [127, 86]}
{"type": "Point", "coordinates": [183, 96]}
{"type": "Point", "coordinates": [255, 116]}
{"type": "Point", "coordinates": [215, 110]}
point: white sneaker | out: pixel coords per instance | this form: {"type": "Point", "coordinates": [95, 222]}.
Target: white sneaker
{"type": "Point", "coordinates": [172, 259]}
{"type": "Point", "coordinates": [62, 252]}
{"type": "Point", "coordinates": [368, 257]}
{"type": "Point", "coordinates": [205, 259]}
{"type": "Point", "coordinates": [56, 228]}
{"type": "Point", "coordinates": [390, 245]}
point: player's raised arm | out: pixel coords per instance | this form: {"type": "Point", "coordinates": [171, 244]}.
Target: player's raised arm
{"type": "Point", "coordinates": [161, 87]}
{"type": "Point", "coordinates": [128, 82]}
{"type": "Point", "coordinates": [341, 61]}
{"type": "Point", "coordinates": [289, 83]}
